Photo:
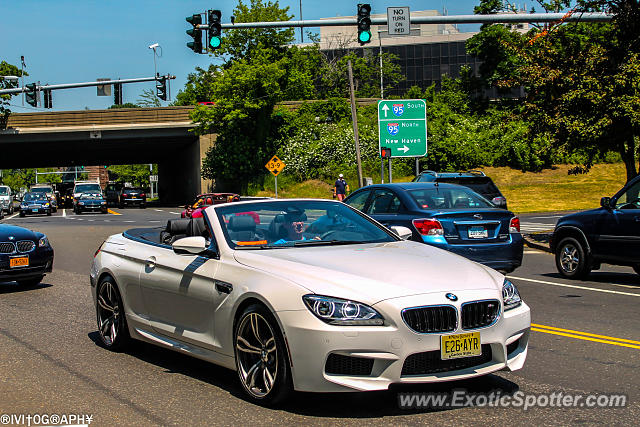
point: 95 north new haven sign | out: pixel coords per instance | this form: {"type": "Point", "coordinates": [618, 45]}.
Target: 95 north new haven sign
{"type": "Point", "coordinates": [402, 126]}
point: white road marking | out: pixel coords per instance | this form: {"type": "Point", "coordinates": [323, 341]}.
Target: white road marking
{"type": "Point", "coordinates": [155, 220]}
{"type": "Point", "coordinates": [607, 291]}
{"type": "Point", "coordinates": [535, 226]}
{"type": "Point", "coordinates": [91, 220]}
{"type": "Point", "coordinates": [175, 213]}
{"type": "Point", "coordinates": [64, 212]}
{"type": "Point", "coordinates": [628, 286]}
{"type": "Point", "coordinates": [13, 216]}
{"type": "Point", "coordinates": [545, 217]}
{"type": "Point", "coordinates": [129, 221]}
{"type": "Point", "coordinates": [158, 210]}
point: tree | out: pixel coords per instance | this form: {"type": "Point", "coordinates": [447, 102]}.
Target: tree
{"type": "Point", "coordinates": [135, 174]}
{"type": "Point", "coordinates": [148, 99]}
{"type": "Point", "coordinates": [7, 69]}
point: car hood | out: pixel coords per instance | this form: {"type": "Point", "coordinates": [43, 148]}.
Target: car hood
{"type": "Point", "coordinates": [370, 273]}
{"type": "Point", "coordinates": [18, 233]}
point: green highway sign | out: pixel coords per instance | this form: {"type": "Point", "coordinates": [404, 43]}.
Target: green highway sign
{"type": "Point", "coordinates": [402, 126]}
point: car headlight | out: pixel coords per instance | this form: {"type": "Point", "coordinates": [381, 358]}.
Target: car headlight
{"type": "Point", "coordinates": [103, 203]}
{"type": "Point", "coordinates": [46, 205]}
{"type": "Point", "coordinates": [510, 295]}
{"type": "Point", "coordinates": [43, 242]}
{"type": "Point", "coordinates": [337, 311]}
{"type": "Point", "coordinates": [81, 203]}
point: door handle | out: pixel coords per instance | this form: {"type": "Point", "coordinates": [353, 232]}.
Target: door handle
{"type": "Point", "coordinates": [151, 262]}
{"type": "Point", "coordinates": [223, 287]}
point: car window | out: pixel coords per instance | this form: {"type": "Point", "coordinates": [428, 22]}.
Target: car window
{"type": "Point", "coordinates": [629, 199]}
{"type": "Point", "coordinates": [384, 201]}
{"type": "Point", "coordinates": [42, 190]}
{"type": "Point", "coordinates": [481, 185]}
{"type": "Point", "coordinates": [34, 196]}
{"type": "Point", "coordinates": [87, 188]}
{"type": "Point", "coordinates": [449, 198]}
{"type": "Point", "coordinates": [3, 191]}
{"type": "Point", "coordinates": [358, 200]}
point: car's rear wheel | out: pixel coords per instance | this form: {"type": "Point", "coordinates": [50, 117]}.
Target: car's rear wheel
{"type": "Point", "coordinates": [49, 212]}
{"type": "Point", "coordinates": [28, 283]}
{"type": "Point", "coordinates": [571, 259]}
{"type": "Point", "coordinates": [261, 356]}
{"type": "Point", "coordinates": [22, 214]}
{"type": "Point", "coordinates": [112, 324]}
{"type": "Point", "coordinates": [636, 268]}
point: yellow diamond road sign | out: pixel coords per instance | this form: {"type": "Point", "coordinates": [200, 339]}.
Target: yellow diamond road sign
{"type": "Point", "coordinates": [275, 165]}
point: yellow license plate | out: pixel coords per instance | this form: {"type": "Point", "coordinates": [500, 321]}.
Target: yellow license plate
{"type": "Point", "coordinates": [460, 345]}
{"type": "Point", "coordinates": [22, 261]}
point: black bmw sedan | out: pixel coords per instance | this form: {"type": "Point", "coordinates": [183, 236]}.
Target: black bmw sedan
{"type": "Point", "coordinates": [25, 255]}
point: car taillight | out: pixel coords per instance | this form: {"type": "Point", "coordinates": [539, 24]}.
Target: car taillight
{"type": "Point", "coordinates": [142, 195]}
{"type": "Point", "coordinates": [98, 250]}
{"type": "Point", "coordinates": [514, 225]}
{"type": "Point", "coordinates": [428, 227]}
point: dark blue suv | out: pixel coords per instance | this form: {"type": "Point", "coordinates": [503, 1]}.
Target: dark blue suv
{"type": "Point", "coordinates": [609, 234]}
{"type": "Point", "coordinates": [448, 216]}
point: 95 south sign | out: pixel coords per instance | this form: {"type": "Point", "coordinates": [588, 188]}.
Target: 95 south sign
{"type": "Point", "coordinates": [402, 126]}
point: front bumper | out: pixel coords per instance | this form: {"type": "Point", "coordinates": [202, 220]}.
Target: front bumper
{"type": "Point", "coordinates": [35, 210]}
{"type": "Point", "coordinates": [312, 341]}
{"type": "Point", "coordinates": [40, 263]}
{"type": "Point", "coordinates": [92, 207]}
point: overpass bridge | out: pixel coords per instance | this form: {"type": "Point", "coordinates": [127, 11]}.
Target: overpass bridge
{"type": "Point", "coordinates": [107, 137]}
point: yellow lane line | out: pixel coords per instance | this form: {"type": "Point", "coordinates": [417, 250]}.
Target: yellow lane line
{"type": "Point", "coordinates": [586, 338]}
{"type": "Point", "coordinates": [571, 331]}
{"type": "Point", "coordinates": [113, 212]}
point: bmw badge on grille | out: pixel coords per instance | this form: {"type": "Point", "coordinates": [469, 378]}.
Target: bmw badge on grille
{"type": "Point", "coordinates": [451, 297]}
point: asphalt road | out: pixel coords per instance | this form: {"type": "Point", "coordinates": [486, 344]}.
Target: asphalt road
{"type": "Point", "coordinates": [51, 362]}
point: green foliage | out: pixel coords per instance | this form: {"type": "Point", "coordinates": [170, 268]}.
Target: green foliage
{"type": "Point", "coordinates": [148, 99]}
{"type": "Point", "coordinates": [137, 175]}
{"type": "Point", "coordinates": [18, 179]}
{"type": "Point", "coordinates": [125, 105]}
{"type": "Point", "coordinates": [7, 69]}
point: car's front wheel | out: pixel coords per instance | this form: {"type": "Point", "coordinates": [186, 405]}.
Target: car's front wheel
{"type": "Point", "coordinates": [571, 259]}
{"type": "Point", "coordinates": [112, 324]}
{"type": "Point", "coordinates": [261, 356]}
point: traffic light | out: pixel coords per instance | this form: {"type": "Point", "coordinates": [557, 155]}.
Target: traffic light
{"type": "Point", "coordinates": [196, 35]}
{"type": "Point", "coordinates": [161, 87]}
{"type": "Point", "coordinates": [385, 152]}
{"type": "Point", "coordinates": [364, 23]}
{"type": "Point", "coordinates": [117, 93]}
{"type": "Point", "coordinates": [47, 99]}
{"type": "Point", "coordinates": [31, 95]}
{"type": "Point", "coordinates": [214, 35]}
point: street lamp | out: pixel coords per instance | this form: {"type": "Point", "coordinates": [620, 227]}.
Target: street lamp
{"type": "Point", "coordinates": [155, 46]}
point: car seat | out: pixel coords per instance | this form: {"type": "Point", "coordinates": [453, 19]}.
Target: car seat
{"type": "Point", "coordinates": [242, 228]}
{"type": "Point", "coordinates": [461, 203]}
{"type": "Point", "coordinates": [175, 229]}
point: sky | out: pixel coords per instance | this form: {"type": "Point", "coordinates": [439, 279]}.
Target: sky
{"type": "Point", "coordinates": [73, 41]}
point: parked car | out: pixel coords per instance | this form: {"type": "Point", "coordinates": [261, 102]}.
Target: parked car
{"type": "Point", "coordinates": [25, 255]}
{"type": "Point", "coordinates": [448, 216]}
{"type": "Point", "coordinates": [609, 234]}
{"type": "Point", "coordinates": [49, 192]}
{"type": "Point", "coordinates": [112, 193]}
{"type": "Point", "coordinates": [360, 307]}
{"type": "Point", "coordinates": [132, 196]}
{"type": "Point", "coordinates": [35, 203]}
{"type": "Point", "coordinates": [475, 180]}
{"type": "Point", "coordinates": [203, 201]}
{"type": "Point", "coordinates": [6, 200]}
{"type": "Point", "coordinates": [90, 202]}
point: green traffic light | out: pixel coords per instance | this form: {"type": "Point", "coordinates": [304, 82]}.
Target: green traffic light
{"type": "Point", "coordinates": [364, 36]}
{"type": "Point", "coordinates": [215, 42]}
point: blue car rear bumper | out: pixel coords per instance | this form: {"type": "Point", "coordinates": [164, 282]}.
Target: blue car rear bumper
{"type": "Point", "coordinates": [504, 256]}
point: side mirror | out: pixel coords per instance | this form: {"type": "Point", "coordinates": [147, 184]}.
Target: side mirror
{"type": "Point", "coordinates": [193, 245]}
{"type": "Point", "coordinates": [605, 202]}
{"type": "Point", "coordinates": [403, 232]}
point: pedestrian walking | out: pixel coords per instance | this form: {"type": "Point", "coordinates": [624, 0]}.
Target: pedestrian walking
{"type": "Point", "coordinates": [340, 188]}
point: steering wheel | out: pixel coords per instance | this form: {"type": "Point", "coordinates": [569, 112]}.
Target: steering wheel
{"type": "Point", "coordinates": [323, 236]}
{"type": "Point", "coordinates": [261, 234]}
{"type": "Point", "coordinates": [630, 204]}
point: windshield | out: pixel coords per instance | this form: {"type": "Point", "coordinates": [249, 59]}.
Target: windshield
{"type": "Point", "coordinates": [286, 224]}
{"type": "Point", "coordinates": [449, 198]}
{"type": "Point", "coordinates": [42, 190]}
{"type": "Point", "coordinates": [87, 188]}
{"type": "Point", "coordinates": [3, 191]}
{"type": "Point", "coordinates": [34, 196]}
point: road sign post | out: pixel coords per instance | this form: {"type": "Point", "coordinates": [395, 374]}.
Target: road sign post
{"type": "Point", "coordinates": [275, 166]}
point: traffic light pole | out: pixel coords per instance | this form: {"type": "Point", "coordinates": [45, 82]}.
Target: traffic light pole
{"type": "Point", "coordinates": [449, 19]}
{"type": "Point", "coordinates": [86, 84]}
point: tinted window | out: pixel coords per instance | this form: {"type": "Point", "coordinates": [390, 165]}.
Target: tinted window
{"type": "Point", "coordinates": [449, 198]}
{"type": "Point", "coordinates": [358, 200]}
{"type": "Point", "coordinates": [42, 190]}
{"type": "Point", "coordinates": [629, 199]}
{"type": "Point", "coordinates": [34, 196]}
{"type": "Point", "coordinates": [479, 185]}
{"type": "Point", "coordinates": [3, 191]}
{"type": "Point", "coordinates": [87, 188]}
{"type": "Point", "coordinates": [384, 201]}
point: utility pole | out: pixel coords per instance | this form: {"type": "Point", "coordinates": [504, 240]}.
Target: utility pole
{"type": "Point", "coordinates": [354, 117]}
{"type": "Point", "coordinates": [381, 83]}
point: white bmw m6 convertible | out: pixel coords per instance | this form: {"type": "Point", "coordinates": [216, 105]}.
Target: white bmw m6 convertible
{"type": "Point", "coordinates": [307, 295]}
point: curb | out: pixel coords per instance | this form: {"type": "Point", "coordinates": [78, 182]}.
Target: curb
{"type": "Point", "coordinates": [532, 243]}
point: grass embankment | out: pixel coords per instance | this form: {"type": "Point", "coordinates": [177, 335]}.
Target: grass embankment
{"type": "Point", "coordinates": [547, 191]}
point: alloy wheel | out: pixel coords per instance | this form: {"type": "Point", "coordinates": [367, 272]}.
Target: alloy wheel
{"type": "Point", "coordinates": [570, 258]}
{"type": "Point", "coordinates": [110, 314]}
{"type": "Point", "coordinates": [257, 355]}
